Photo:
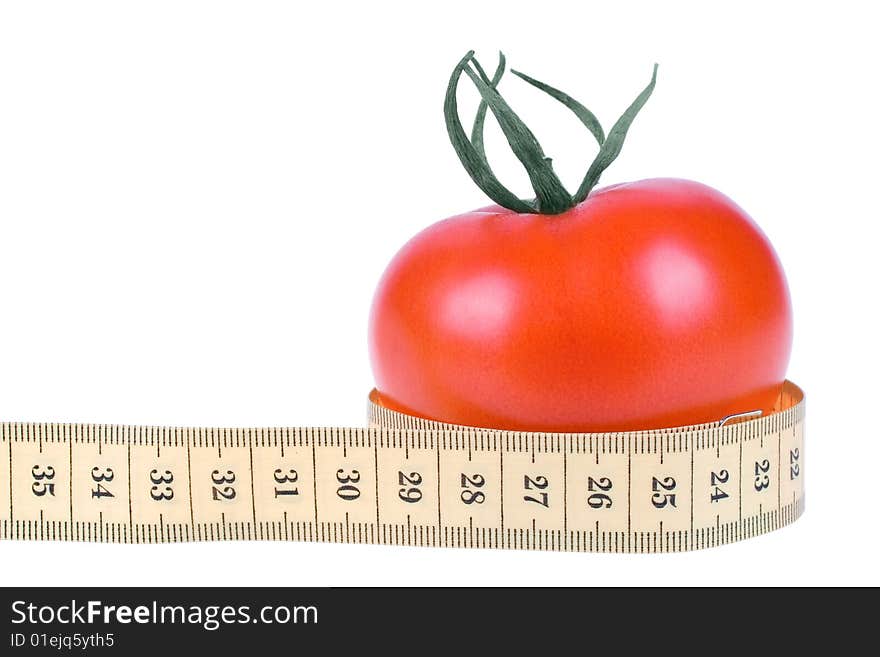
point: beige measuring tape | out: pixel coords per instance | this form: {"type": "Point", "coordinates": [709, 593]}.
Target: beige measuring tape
{"type": "Point", "coordinates": [407, 481]}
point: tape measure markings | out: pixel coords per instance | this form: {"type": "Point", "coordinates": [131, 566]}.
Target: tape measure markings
{"type": "Point", "coordinates": [407, 481]}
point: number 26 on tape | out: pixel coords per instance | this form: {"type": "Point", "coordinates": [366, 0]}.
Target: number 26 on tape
{"type": "Point", "coordinates": [596, 499]}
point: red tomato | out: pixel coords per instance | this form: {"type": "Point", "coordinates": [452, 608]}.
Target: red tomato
{"type": "Point", "coordinates": [650, 304]}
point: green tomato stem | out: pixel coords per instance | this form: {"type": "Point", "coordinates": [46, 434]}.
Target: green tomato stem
{"type": "Point", "coordinates": [551, 197]}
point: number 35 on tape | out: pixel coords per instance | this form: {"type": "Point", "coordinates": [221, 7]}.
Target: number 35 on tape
{"type": "Point", "coordinates": [407, 481]}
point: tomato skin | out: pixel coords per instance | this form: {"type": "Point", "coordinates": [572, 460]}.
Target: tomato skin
{"type": "Point", "coordinates": [652, 304]}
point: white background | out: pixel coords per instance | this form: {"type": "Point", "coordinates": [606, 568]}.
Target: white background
{"type": "Point", "coordinates": [197, 200]}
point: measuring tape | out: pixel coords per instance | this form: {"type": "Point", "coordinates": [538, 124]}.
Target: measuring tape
{"type": "Point", "coordinates": [407, 481]}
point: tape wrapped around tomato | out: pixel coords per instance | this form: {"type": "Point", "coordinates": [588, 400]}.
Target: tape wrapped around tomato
{"type": "Point", "coordinates": [662, 490]}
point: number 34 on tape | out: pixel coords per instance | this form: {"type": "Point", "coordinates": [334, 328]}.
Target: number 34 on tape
{"type": "Point", "coordinates": [406, 481]}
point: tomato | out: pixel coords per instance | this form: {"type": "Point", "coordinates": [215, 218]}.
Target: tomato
{"type": "Point", "coordinates": [651, 304]}
{"type": "Point", "coordinates": [643, 305]}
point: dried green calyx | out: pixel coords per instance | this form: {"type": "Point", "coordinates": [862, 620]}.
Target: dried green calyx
{"type": "Point", "coordinates": [551, 197]}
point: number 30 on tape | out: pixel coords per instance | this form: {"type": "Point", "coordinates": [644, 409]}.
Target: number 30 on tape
{"type": "Point", "coordinates": [407, 481]}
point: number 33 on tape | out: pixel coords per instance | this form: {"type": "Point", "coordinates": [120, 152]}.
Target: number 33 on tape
{"type": "Point", "coordinates": [407, 481]}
